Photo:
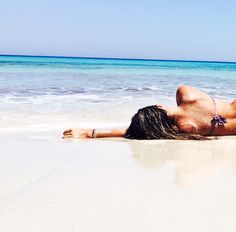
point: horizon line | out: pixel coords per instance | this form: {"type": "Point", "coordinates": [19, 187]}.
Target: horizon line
{"type": "Point", "coordinates": [120, 58]}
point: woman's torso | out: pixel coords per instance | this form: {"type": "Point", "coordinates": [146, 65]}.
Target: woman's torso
{"type": "Point", "coordinates": [197, 111]}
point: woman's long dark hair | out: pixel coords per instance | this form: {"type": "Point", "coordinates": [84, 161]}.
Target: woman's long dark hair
{"type": "Point", "coordinates": [153, 122]}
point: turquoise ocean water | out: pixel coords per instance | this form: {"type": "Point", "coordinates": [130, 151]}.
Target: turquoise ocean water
{"type": "Point", "coordinates": [52, 93]}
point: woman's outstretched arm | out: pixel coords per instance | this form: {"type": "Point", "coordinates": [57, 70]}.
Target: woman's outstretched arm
{"type": "Point", "coordinates": [93, 133]}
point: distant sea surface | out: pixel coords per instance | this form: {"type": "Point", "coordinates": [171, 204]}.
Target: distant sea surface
{"type": "Point", "coordinates": [54, 93]}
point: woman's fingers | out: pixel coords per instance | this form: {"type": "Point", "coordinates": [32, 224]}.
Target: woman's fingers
{"type": "Point", "coordinates": [67, 136]}
{"type": "Point", "coordinates": [67, 131]}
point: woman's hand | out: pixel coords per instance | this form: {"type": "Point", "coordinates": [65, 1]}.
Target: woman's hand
{"type": "Point", "coordinates": [77, 133]}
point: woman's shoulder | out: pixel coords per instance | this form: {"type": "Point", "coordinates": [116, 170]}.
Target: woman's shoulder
{"type": "Point", "coordinates": [188, 94]}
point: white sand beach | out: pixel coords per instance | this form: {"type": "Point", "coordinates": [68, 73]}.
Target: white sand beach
{"type": "Point", "coordinates": [93, 65]}
{"type": "Point", "coordinates": [50, 184]}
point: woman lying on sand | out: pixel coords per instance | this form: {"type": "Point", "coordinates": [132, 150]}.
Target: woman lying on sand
{"type": "Point", "coordinates": [196, 116]}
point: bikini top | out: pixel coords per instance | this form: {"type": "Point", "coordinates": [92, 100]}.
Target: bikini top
{"type": "Point", "coordinates": [217, 119]}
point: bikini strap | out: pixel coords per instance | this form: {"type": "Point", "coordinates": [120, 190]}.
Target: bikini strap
{"type": "Point", "coordinates": [215, 109]}
{"type": "Point", "coordinates": [216, 119]}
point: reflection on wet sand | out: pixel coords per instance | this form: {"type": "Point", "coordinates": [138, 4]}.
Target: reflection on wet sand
{"type": "Point", "coordinates": [193, 161]}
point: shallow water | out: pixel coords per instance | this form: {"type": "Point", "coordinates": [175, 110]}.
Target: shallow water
{"type": "Point", "coordinates": [48, 93]}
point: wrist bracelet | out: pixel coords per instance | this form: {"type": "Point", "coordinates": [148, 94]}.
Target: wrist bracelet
{"type": "Point", "coordinates": [94, 134]}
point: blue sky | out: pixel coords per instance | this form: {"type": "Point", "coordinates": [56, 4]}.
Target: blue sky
{"type": "Point", "coordinates": [159, 29]}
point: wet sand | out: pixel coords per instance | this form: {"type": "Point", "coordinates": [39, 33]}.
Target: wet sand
{"type": "Point", "coordinates": [49, 184]}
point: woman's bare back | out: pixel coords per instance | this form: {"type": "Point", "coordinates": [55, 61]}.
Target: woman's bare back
{"type": "Point", "coordinates": [197, 110]}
